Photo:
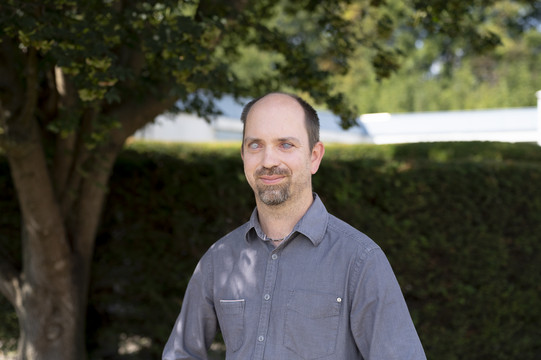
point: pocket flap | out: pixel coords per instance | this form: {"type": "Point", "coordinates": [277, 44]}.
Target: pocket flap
{"type": "Point", "coordinates": [314, 304]}
{"type": "Point", "coordinates": [232, 307]}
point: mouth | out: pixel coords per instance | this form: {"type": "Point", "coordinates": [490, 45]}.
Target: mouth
{"type": "Point", "coordinates": [271, 179]}
{"type": "Point", "coordinates": [271, 176]}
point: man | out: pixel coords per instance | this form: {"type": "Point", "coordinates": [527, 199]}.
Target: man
{"type": "Point", "coordinates": [294, 282]}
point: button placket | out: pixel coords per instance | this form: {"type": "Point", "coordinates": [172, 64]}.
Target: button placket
{"type": "Point", "coordinates": [264, 318]}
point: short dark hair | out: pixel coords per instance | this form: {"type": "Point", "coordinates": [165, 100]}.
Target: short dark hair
{"type": "Point", "coordinates": [311, 119]}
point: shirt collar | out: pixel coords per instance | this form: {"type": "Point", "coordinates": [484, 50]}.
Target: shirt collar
{"type": "Point", "coordinates": [313, 224]}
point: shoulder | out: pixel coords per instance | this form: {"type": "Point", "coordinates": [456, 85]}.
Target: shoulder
{"type": "Point", "coordinates": [231, 242]}
{"type": "Point", "coordinates": [225, 253]}
{"type": "Point", "coordinates": [355, 241]}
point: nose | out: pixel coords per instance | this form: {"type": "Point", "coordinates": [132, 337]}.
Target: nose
{"type": "Point", "coordinates": [270, 158]}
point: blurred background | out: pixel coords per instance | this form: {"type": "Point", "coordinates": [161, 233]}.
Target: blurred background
{"type": "Point", "coordinates": [120, 166]}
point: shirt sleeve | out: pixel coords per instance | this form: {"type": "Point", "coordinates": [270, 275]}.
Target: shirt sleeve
{"type": "Point", "coordinates": [195, 327]}
{"type": "Point", "coordinates": [379, 317]}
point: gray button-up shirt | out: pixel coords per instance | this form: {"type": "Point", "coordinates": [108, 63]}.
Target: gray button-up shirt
{"type": "Point", "coordinates": [326, 292]}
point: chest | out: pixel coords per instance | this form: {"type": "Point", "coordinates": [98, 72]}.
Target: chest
{"type": "Point", "coordinates": [297, 268]}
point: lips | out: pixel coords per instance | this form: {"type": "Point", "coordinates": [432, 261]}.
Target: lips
{"type": "Point", "coordinates": [271, 176]}
{"type": "Point", "coordinates": [271, 180]}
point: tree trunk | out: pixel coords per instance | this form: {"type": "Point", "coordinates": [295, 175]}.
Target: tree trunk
{"type": "Point", "coordinates": [50, 294]}
{"type": "Point", "coordinates": [61, 203]}
{"type": "Point", "coordinates": [51, 324]}
{"type": "Point", "coordinates": [51, 291]}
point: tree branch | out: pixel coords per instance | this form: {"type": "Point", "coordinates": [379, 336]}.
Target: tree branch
{"type": "Point", "coordinates": [78, 156]}
{"type": "Point", "coordinates": [133, 115]}
{"type": "Point", "coordinates": [32, 86]}
{"type": "Point", "coordinates": [89, 204]}
{"type": "Point", "coordinates": [99, 165]}
{"type": "Point", "coordinates": [65, 145]}
{"type": "Point", "coordinates": [62, 163]}
{"type": "Point", "coordinates": [43, 224]}
{"type": "Point", "coordinates": [46, 251]}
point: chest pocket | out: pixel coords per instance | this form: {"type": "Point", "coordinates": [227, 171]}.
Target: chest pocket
{"type": "Point", "coordinates": [231, 318]}
{"type": "Point", "coordinates": [311, 324]}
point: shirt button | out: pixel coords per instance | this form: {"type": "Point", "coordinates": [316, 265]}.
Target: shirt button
{"type": "Point", "coordinates": [260, 339]}
{"type": "Point", "coordinates": [274, 257]}
{"type": "Point", "coordinates": [339, 300]}
{"type": "Point", "coordinates": [266, 297]}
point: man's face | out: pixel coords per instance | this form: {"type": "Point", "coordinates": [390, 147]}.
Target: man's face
{"type": "Point", "coordinates": [278, 162]}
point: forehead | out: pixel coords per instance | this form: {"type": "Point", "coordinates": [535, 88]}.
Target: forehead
{"type": "Point", "coordinates": [276, 115]}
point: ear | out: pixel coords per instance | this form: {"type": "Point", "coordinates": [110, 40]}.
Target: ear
{"type": "Point", "coordinates": [317, 155]}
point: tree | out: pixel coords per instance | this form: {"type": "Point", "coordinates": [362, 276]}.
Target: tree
{"type": "Point", "coordinates": [443, 70]}
{"type": "Point", "coordinates": [77, 78]}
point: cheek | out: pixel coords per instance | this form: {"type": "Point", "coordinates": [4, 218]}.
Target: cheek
{"type": "Point", "coordinates": [248, 162]}
{"type": "Point", "coordinates": [249, 169]}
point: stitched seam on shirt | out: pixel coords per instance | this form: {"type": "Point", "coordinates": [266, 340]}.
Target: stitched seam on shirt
{"type": "Point", "coordinates": [351, 233]}
{"type": "Point", "coordinates": [363, 251]}
{"type": "Point", "coordinates": [210, 275]}
{"type": "Point", "coordinates": [360, 258]}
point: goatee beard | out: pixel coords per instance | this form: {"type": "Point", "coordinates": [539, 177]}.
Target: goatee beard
{"type": "Point", "coordinates": [273, 195]}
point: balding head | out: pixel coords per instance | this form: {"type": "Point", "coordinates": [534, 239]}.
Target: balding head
{"type": "Point", "coordinates": [310, 115]}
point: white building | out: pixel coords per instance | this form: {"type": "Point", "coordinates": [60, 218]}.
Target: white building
{"type": "Point", "coordinates": [228, 127]}
{"type": "Point", "coordinates": [506, 125]}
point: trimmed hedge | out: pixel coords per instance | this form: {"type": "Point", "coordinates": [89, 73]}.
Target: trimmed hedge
{"type": "Point", "coordinates": [459, 223]}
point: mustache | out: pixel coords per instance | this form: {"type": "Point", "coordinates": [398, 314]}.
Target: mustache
{"type": "Point", "coordinates": [275, 170]}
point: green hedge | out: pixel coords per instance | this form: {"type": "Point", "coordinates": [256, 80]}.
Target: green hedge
{"type": "Point", "coordinates": [460, 223]}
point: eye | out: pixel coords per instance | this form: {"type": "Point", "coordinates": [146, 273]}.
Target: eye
{"type": "Point", "coordinates": [287, 146]}
{"type": "Point", "coordinates": [253, 146]}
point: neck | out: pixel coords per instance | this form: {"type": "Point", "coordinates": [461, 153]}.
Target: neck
{"type": "Point", "coordinates": [278, 221]}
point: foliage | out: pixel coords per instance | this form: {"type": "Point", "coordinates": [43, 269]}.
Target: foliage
{"type": "Point", "coordinates": [110, 52]}
{"type": "Point", "coordinates": [477, 83]}
{"type": "Point", "coordinates": [178, 218]}
{"type": "Point", "coordinates": [442, 71]}
{"type": "Point", "coordinates": [459, 249]}
{"type": "Point", "coordinates": [458, 222]}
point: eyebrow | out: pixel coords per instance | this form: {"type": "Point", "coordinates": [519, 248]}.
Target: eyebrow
{"type": "Point", "coordinates": [287, 138]}
{"type": "Point", "coordinates": [250, 139]}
